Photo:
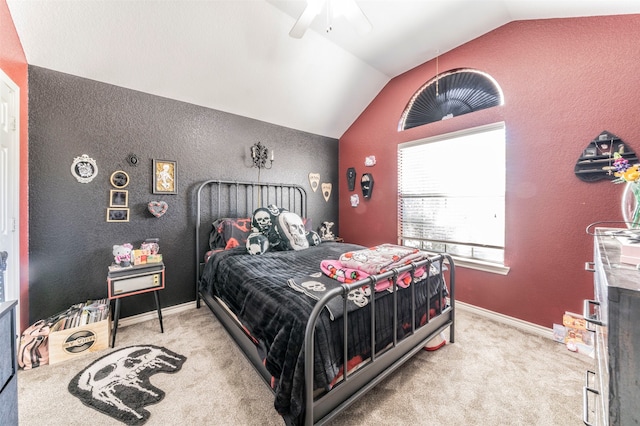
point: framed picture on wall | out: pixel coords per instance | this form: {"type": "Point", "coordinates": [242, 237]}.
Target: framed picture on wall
{"type": "Point", "coordinates": [117, 215]}
{"type": "Point", "coordinates": [119, 198]}
{"type": "Point", "coordinates": [165, 177]}
{"type": "Point", "coordinates": [119, 179]}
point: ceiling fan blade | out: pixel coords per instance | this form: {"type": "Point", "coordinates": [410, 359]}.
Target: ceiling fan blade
{"type": "Point", "coordinates": [306, 18]}
{"type": "Point", "coordinates": [356, 17]}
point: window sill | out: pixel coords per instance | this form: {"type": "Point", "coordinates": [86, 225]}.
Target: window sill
{"type": "Point", "coordinates": [479, 265]}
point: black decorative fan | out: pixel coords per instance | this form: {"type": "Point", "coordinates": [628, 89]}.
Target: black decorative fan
{"type": "Point", "coordinates": [449, 94]}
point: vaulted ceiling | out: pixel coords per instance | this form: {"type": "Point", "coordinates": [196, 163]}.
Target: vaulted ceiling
{"type": "Point", "coordinates": [237, 56]}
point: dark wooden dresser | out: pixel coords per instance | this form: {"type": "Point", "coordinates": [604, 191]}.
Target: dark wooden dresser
{"type": "Point", "coordinates": [8, 365]}
{"type": "Point", "coordinates": [612, 391]}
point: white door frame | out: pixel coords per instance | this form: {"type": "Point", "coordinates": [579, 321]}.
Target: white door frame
{"type": "Point", "coordinates": [10, 194]}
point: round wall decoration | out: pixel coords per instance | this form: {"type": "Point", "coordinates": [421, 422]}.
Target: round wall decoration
{"type": "Point", "coordinates": [119, 179]}
{"type": "Point", "coordinates": [84, 168]}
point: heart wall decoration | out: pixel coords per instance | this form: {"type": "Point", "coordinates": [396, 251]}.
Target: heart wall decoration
{"type": "Point", "coordinates": [314, 181]}
{"type": "Point", "coordinates": [157, 208]}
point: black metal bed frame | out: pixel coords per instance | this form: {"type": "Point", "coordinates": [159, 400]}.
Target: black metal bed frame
{"type": "Point", "coordinates": [240, 199]}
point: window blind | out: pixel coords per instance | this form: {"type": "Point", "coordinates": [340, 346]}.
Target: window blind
{"type": "Point", "coordinates": [452, 193]}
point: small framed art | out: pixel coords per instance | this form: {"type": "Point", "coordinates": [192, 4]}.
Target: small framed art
{"type": "Point", "coordinates": [119, 179]}
{"type": "Point", "coordinates": [165, 177]}
{"type": "Point", "coordinates": [119, 198]}
{"type": "Point", "coordinates": [117, 215]}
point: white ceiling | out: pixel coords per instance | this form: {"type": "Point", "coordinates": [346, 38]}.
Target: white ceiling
{"type": "Point", "coordinates": [236, 55]}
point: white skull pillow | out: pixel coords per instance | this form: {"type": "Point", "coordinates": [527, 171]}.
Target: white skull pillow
{"type": "Point", "coordinates": [291, 230]}
{"type": "Point", "coordinates": [293, 233]}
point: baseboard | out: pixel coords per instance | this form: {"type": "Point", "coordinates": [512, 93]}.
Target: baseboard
{"type": "Point", "coordinates": [495, 316]}
{"type": "Point", "coordinates": [171, 310]}
{"type": "Point", "coordinates": [505, 319]}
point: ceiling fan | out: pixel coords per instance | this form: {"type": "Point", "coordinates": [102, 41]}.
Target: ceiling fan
{"type": "Point", "coordinates": [334, 9]}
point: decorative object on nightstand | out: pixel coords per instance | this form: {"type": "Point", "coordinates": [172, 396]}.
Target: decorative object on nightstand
{"type": "Point", "coordinates": [131, 280]}
{"type": "Point", "coordinates": [122, 254]}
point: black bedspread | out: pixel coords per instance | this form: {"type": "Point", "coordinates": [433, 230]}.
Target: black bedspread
{"type": "Point", "coordinates": [255, 289]}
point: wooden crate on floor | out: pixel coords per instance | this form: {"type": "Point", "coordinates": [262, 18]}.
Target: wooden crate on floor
{"type": "Point", "coordinates": [77, 341]}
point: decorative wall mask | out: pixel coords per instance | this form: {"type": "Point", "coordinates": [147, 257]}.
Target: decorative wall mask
{"type": "Point", "coordinates": [84, 168]}
{"type": "Point", "coordinates": [355, 200]}
{"type": "Point", "coordinates": [351, 178]}
{"type": "Point", "coordinates": [596, 161]}
{"type": "Point", "coordinates": [326, 190]}
{"type": "Point", "coordinates": [370, 161]}
{"type": "Point", "coordinates": [367, 185]}
{"type": "Point", "coordinates": [157, 208]}
{"type": "Point", "coordinates": [314, 181]}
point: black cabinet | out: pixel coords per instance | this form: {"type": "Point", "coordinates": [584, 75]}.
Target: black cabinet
{"type": "Point", "coordinates": [612, 389]}
{"type": "Point", "coordinates": [8, 365]}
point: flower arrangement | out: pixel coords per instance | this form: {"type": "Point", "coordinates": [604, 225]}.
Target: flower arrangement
{"type": "Point", "coordinates": [626, 173]}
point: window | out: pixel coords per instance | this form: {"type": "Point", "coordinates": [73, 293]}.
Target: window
{"type": "Point", "coordinates": [452, 195]}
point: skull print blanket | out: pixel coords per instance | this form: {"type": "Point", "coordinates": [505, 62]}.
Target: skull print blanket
{"type": "Point", "coordinates": [256, 290]}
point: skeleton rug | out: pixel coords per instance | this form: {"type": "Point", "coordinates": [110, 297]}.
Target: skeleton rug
{"type": "Point", "coordinates": [118, 383]}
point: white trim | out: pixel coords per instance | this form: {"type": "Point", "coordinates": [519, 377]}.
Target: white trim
{"type": "Point", "coordinates": [146, 316]}
{"type": "Point", "coordinates": [505, 319]}
{"type": "Point", "coordinates": [13, 278]}
{"type": "Point", "coordinates": [481, 266]}
{"type": "Point", "coordinates": [495, 316]}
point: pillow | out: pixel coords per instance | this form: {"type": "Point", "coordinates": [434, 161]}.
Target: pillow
{"type": "Point", "coordinates": [284, 230]}
{"type": "Point", "coordinates": [229, 233]}
{"type": "Point", "coordinates": [257, 243]}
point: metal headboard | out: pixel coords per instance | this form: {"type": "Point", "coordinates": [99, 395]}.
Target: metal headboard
{"type": "Point", "coordinates": [220, 199]}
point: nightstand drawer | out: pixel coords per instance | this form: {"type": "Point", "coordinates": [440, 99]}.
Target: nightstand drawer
{"type": "Point", "coordinates": [133, 284]}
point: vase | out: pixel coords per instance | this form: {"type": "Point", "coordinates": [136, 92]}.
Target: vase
{"type": "Point", "coordinates": [631, 204]}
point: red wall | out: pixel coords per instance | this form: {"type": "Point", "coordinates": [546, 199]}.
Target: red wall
{"type": "Point", "coordinates": [14, 64]}
{"type": "Point", "coordinates": [564, 82]}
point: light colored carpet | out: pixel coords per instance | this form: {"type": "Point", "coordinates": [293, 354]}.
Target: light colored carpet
{"type": "Point", "coordinates": [493, 375]}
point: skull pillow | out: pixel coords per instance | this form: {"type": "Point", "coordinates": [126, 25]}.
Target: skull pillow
{"type": "Point", "coordinates": [263, 222]}
{"type": "Point", "coordinates": [291, 230]}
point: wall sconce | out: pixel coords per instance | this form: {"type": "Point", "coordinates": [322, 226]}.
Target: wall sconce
{"type": "Point", "coordinates": [262, 156]}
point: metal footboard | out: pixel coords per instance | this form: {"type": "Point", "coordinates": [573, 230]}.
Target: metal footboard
{"type": "Point", "coordinates": [381, 363]}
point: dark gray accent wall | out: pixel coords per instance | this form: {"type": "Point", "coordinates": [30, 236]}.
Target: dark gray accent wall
{"type": "Point", "coordinates": [70, 241]}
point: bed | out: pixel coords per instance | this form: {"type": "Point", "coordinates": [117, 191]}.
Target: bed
{"type": "Point", "coordinates": [298, 325]}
